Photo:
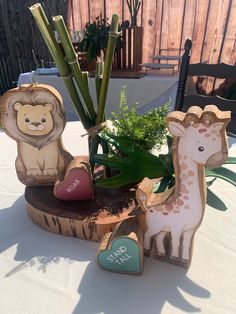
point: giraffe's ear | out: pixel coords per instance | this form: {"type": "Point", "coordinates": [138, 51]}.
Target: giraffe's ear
{"type": "Point", "coordinates": [176, 129]}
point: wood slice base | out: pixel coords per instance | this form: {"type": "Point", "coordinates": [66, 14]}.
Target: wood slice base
{"type": "Point", "coordinates": [88, 220]}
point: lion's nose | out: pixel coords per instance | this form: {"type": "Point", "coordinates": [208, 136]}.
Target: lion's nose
{"type": "Point", "coordinates": [36, 123]}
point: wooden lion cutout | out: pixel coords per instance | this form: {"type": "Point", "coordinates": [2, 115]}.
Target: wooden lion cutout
{"type": "Point", "coordinates": [199, 139]}
{"type": "Point", "coordinates": [33, 116]}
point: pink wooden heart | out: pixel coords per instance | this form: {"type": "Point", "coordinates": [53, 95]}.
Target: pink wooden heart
{"type": "Point", "coordinates": [77, 185]}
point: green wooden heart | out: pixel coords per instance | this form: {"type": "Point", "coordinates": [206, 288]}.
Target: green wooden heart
{"type": "Point", "coordinates": [124, 257]}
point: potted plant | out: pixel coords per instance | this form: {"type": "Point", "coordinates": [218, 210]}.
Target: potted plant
{"type": "Point", "coordinates": [134, 6]}
{"type": "Point", "coordinates": [95, 40]}
{"type": "Point", "coordinates": [132, 38]}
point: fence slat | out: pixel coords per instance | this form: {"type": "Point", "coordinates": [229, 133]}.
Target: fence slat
{"type": "Point", "coordinates": [19, 35]}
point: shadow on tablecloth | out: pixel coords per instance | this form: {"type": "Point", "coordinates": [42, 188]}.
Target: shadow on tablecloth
{"type": "Point", "coordinates": [34, 246]}
{"type": "Point", "coordinates": [110, 293]}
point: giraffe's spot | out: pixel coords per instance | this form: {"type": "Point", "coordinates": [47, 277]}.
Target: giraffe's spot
{"type": "Point", "coordinates": [185, 157]}
{"type": "Point", "coordinates": [202, 130]}
{"type": "Point", "coordinates": [186, 197]}
{"type": "Point", "coordinates": [207, 135]}
{"type": "Point", "coordinates": [165, 213]}
{"type": "Point", "coordinates": [218, 135]}
{"type": "Point", "coordinates": [195, 125]}
{"type": "Point", "coordinates": [214, 131]}
{"type": "Point", "coordinates": [180, 202]}
{"type": "Point", "coordinates": [213, 139]}
{"type": "Point", "coordinates": [190, 173]}
{"type": "Point", "coordinates": [190, 182]}
{"type": "Point", "coordinates": [183, 189]}
{"type": "Point", "coordinates": [169, 207]}
{"type": "Point", "coordinates": [176, 211]}
{"type": "Point", "coordinates": [183, 166]}
{"type": "Point", "coordinates": [184, 176]}
{"type": "Point", "coordinates": [187, 207]}
{"type": "Point", "coordinates": [151, 211]}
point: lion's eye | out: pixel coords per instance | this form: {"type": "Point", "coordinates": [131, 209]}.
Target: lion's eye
{"type": "Point", "coordinates": [27, 120]}
{"type": "Point", "coordinates": [201, 148]}
{"type": "Point", "coordinates": [43, 120]}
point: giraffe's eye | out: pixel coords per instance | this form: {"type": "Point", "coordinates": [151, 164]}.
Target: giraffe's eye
{"type": "Point", "coordinates": [43, 120]}
{"type": "Point", "coordinates": [27, 120]}
{"type": "Point", "coordinates": [201, 148]}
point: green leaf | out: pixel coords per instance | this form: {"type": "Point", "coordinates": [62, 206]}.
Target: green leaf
{"type": "Point", "coordinates": [162, 185]}
{"type": "Point", "coordinates": [123, 99]}
{"type": "Point", "coordinates": [214, 201]}
{"type": "Point", "coordinates": [209, 183]}
{"type": "Point", "coordinates": [169, 142]}
{"type": "Point", "coordinates": [222, 173]}
{"type": "Point", "coordinates": [230, 160]}
{"type": "Point", "coordinates": [167, 161]}
{"type": "Point", "coordinates": [134, 166]}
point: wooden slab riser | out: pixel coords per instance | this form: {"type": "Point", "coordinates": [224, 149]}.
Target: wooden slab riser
{"type": "Point", "coordinates": [69, 227]}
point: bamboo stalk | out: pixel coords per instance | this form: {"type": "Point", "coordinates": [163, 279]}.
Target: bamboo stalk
{"type": "Point", "coordinates": [72, 59]}
{"type": "Point", "coordinates": [99, 77]}
{"type": "Point", "coordinates": [64, 70]}
{"type": "Point", "coordinates": [86, 77]}
{"type": "Point", "coordinates": [113, 34]}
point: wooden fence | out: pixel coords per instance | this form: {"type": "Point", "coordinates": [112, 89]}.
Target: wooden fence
{"type": "Point", "coordinates": [19, 35]}
{"type": "Point", "coordinates": [210, 24]}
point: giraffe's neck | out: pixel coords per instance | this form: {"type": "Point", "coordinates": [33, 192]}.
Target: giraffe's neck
{"type": "Point", "coordinates": [191, 182]}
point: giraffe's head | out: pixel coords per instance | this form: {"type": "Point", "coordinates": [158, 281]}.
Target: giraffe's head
{"type": "Point", "coordinates": [200, 134]}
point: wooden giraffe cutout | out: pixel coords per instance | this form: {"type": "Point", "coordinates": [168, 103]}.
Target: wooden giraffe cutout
{"type": "Point", "coordinates": [199, 139]}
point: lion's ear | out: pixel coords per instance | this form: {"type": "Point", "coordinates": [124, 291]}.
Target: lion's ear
{"type": "Point", "coordinates": [49, 107]}
{"type": "Point", "coordinates": [17, 106]}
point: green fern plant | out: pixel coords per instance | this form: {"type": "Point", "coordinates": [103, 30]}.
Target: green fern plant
{"type": "Point", "coordinates": [147, 131]}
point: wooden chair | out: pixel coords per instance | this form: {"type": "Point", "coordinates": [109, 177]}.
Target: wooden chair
{"type": "Point", "coordinates": [183, 73]}
{"type": "Point", "coordinates": [184, 100]}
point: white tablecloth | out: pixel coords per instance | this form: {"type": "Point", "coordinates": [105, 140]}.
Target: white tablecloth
{"type": "Point", "coordinates": [43, 273]}
{"type": "Point", "coordinates": [148, 92]}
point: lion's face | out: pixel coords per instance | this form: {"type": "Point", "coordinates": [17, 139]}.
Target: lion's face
{"type": "Point", "coordinates": [33, 114]}
{"type": "Point", "coordinates": [34, 120]}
